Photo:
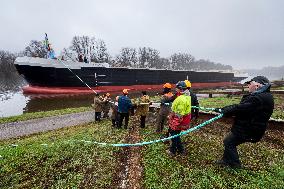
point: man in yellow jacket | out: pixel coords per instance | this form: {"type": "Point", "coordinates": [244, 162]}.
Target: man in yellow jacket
{"type": "Point", "coordinates": [180, 117]}
{"type": "Point", "coordinates": [143, 108]}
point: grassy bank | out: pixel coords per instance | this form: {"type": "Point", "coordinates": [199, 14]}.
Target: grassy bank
{"type": "Point", "coordinates": [264, 163]}
{"type": "Point", "coordinates": [219, 102]}
{"type": "Point", "coordinates": [66, 164]}
{"type": "Point", "coordinates": [35, 115]}
{"type": "Point", "coordinates": [57, 159]}
{"type": "Point", "coordinates": [62, 163]}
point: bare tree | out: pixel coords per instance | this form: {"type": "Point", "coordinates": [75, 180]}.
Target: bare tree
{"type": "Point", "coordinates": [100, 53]}
{"type": "Point", "coordinates": [181, 61]}
{"type": "Point", "coordinates": [88, 47]}
{"type": "Point", "coordinates": [36, 49]}
{"type": "Point", "coordinates": [208, 65]}
{"type": "Point", "coordinates": [6, 61]}
{"type": "Point", "coordinates": [9, 77]}
{"type": "Point", "coordinates": [127, 57]}
{"type": "Point", "coordinates": [163, 63]}
{"type": "Point", "coordinates": [148, 57]}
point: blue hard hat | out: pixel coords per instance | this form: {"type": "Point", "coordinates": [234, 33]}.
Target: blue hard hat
{"type": "Point", "coordinates": [181, 85]}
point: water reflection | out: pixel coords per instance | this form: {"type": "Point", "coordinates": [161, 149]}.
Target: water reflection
{"type": "Point", "coordinates": [12, 103]}
{"type": "Point", "coordinates": [55, 102]}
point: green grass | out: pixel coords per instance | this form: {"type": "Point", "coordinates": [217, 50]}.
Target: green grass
{"type": "Point", "coordinates": [264, 164]}
{"type": "Point", "coordinates": [66, 164]}
{"type": "Point", "coordinates": [219, 102]}
{"type": "Point", "coordinates": [278, 88]}
{"type": "Point", "coordinates": [62, 163]}
{"type": "Point", "coordinates": [35, 115]}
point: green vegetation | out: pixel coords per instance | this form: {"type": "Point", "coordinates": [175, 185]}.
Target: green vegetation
{"type": "Point", "coordinates": [58, 159]}
{"type": "Point", "coordinates": [219, 102]}
{"type": "Point", "coordinates": [36, 115]}
{"type": "Point", "coordinates": [278, 88]}
{"type": "Point", "coordinates": [65, 162]}
{"type": "Point", "coordinates": [263, 163]}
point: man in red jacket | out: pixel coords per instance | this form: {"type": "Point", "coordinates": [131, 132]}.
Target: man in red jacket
{"type": "Point", "coordinates": [179, 119]}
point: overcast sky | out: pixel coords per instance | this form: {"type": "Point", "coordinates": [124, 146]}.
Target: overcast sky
{"type": "Point", "coordinates": [240, 33]}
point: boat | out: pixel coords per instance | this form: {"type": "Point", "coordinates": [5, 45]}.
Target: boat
{"type": "Point", "coordinates": [51, 76]}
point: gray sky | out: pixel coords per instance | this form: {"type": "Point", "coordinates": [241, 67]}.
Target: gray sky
{"type": "Point", "coordinates": [241, 33]}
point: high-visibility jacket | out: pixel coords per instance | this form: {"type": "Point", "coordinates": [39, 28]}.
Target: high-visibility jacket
{"type": "Point", "coordinates": [180, 117]}
{"type": "Point", "coordinates": [182, 105]}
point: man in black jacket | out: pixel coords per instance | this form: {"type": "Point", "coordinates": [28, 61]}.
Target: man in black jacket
{"type": "Point", "coordinates": [251, 119]}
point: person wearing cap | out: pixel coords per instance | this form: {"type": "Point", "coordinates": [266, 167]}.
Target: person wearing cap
{"type": "Point", "coordinates": [124, 105]}
{"type": "Point", "coordinates": [179, 118]}
{"type": "Point", "coordinates": [251, 117]}
{"type": "Point", "coordinates": [98, 107]}
{"type": "Point", "coordinates": [142, 108]}
{"type": "Point", "coordinates": [165, 107]}
{"type": "Point", "coordinates": [106, 104]}
{"type": "Point", "coordinates": [194, 101]}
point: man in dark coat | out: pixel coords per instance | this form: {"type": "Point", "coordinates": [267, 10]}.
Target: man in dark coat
{"type": "Point", "coordinates": [124, 105]}
{"type": "Point", "coordinates": [251, 119]}
{"type": "Point", "coordinates": [165, 108]}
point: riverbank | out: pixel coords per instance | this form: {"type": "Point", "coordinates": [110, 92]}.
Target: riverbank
{"type": "Point", "coordinates": [64, 158]}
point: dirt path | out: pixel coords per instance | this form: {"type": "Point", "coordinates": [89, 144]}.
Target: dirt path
{"type": "Point", "coordinates": [130, 169]}
{"type": "Point", "coordinates": [23, 128]}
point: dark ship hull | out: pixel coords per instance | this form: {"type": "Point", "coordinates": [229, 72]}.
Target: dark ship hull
{"type": "Point", "coordinates": [54, 76]}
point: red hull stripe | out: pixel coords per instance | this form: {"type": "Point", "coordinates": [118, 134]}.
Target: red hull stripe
{"type": "Point", "coordinates": [102, 89]}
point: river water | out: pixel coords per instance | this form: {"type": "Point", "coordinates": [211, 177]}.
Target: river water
{"type": "Point", "coordinates": [16, 103]}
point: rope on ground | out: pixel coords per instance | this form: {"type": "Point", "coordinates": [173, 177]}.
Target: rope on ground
{"type": "Point", "coordinates": [155, 141]}
{"type": "Point", "coordinates": [142, 143]}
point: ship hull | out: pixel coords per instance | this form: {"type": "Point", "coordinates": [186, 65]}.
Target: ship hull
{"type": "Point", "coordinates": [60, 77]}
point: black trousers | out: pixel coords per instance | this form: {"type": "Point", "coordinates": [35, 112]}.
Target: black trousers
{"type": "Point", "coordinates": [114, 122]}
{"type": "Point", "coordinates": [142, 121]}
{"type": "Point", "coordinates": [122, 116]}
{"type": "Point", "coordinates": [231, 155]}
{"type": "Point", "coordinates": [105, 115]}
{"type": "Point", "coordinates": [98, 116]}
{"type": "Point", "coordinates": [176, 146]}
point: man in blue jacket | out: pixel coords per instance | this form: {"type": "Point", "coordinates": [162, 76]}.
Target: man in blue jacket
{"type": "Point", "coordinates": [124, 105]}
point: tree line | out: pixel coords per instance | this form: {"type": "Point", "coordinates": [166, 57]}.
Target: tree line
{"type": "Point", "coordinates": [9, 77]}
{"type": "Point", "coordinates": [96, 50]}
